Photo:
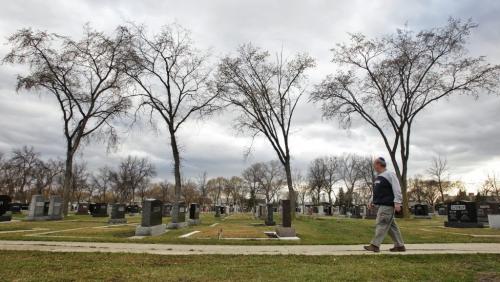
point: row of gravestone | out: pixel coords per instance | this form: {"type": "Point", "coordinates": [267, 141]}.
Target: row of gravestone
{"type": "Point", "coordinates": [266, 213]}
{"type": "Point", "coordinates": [39, 209]}
{"type": "Point", "coordinates": [152, 218]}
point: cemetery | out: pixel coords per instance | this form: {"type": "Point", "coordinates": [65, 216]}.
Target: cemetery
{"type": "Point", "coordinates": [225, 140]}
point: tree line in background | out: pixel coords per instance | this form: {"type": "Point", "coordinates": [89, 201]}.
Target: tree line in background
{"type": "Point", "coordinates": [162, 77]}
{"type": "Point", "coordinates": [344, 180]}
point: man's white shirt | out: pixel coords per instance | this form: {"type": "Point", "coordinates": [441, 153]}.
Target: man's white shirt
{"type": "Point", "coordinates": [396, 187]}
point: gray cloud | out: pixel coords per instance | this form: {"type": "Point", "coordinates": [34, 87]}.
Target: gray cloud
{"type": "Point", "coordinates": [465, 130]}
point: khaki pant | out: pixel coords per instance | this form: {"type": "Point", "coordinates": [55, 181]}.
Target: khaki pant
{"type": "Point", "coordinates": [386, 224]}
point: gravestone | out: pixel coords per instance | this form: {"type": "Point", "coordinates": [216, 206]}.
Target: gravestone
{"type": "Point", "coordinates": [180, 222]}
{"type": "Point", "coordinates": [25, 207]}
{"type": "Point", "coordinates": [356, 212]}
{"type": "Point", "coordinates": [363, 210]}
{"type": "Point", "coordinates": [217, 211]}
{"type": "Point", "coordinates": [328, 209]}
{"type": "Point", "coordinates": [421, 211]}
{"type": "Point", "coordinates": [37, 208]}
{"type": "Point", "coordinates": [55, 208]}
{"type": "Point", "coordinates": [371, 212]}
{"type": "Point", "coordinates": [442, 210]}
{"type": "Point", "coordinates": [92, 208]}
{"type": "Point", "coordinates": [5, 213]}
{"type": "Point", "coordinates": [462, 214]}
{"type": "Point", "coordinates": [321, 210]}
{"type": "Point", "coordinates": [167, 210]}
{"type": "Point", "coordinates": [270, 220]}
{"type": "Point", "coordinates": [117, 214]}
{"type": "Point", "coordinates": [484, 209]}
{"type": "Point", "coordinates": [286, 229]}
{"type": "Point", "coordinates": [46, 208]}
{"type": "Point", "coordinates": [15, 207]}
{"type": "Point", "coordinates": [262, 212]}
{"type": "Point", "coordinates": [151, 223]}
{"type": "Point", "coordinates": [194, 214]}
{"type": "Point", "coordinates": [100, 210]}
{"type": "Point", "coordinates": [133, 209]}
{"type": "Point", "coordinates": [223, 210]}
{"type": "Point", "coordinates": [82, 209]}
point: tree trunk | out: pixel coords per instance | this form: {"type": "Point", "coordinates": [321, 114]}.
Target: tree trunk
{"type": "Point", "coordinates": [291, 192]}
{"type": "Point", "coordinates": [68, 179]}
{"type": "Point", "coordinates": [177, 175]}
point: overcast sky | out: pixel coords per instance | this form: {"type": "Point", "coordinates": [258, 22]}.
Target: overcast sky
{"type": "Point", "coordinates": [463, 129]}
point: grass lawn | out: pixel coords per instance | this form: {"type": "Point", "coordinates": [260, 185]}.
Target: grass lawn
{"type": "Point", "coordinates": [44, 266]}
{"type": "Point", "coordinates": [324, 230]}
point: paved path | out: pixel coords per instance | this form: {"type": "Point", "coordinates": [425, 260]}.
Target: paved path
{"type": "Point", "coordinates": [454, 248]}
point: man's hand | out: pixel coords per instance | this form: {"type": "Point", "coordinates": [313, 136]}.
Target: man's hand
{"type": "Point", "coordinates": [371, 205]}
{"type": "Point", "coordinates": [397, 207]}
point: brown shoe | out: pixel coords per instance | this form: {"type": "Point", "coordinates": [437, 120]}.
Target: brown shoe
{"type": "Point", "coordinates": [372, 248]}
{"type": "Point", "coordinates": [398, 249]}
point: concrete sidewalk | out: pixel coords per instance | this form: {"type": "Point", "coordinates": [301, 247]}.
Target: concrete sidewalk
{"type": "Point", "coordinates": [313, 250]}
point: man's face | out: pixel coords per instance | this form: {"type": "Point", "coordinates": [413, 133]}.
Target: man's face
{"type": "Point", "coordinates": [378, 167]}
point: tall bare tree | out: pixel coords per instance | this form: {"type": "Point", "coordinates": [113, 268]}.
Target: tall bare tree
{"type": "Point", "coordinates": [350, 174]}
{"type": "Point", "coordinates": [266, 92]}
{"type": "Point", "coordinates": [133, 175]}
{"type": "Point", "coordinates": [84, 76]}
{"type": "Point", "coordinates": [252, 177]}
{"type": "Point", "coordinates": [172, 79]}
{"type": "Point", "coordinates": [439, 171]}
{"type": "Point", "coordinates": [317, 178]}
{"type": "Point", "coordinates": [389, 81]}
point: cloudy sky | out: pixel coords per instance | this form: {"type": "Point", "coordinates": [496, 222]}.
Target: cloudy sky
{"type": "Point", "coordinates": [465, 130]}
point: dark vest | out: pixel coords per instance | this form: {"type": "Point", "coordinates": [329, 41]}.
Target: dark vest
{"type": "Point", "coordinates": [382, 192]}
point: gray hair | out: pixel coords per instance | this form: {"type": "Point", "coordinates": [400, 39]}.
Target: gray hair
{"type": "Point", "coordinates": [381, 161]}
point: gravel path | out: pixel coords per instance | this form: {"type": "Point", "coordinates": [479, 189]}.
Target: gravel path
{"type": "Point", "coordinates": [453, 248]}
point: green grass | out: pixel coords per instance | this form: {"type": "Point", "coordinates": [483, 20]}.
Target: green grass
{"type": "Point", "coordinates": [325, 230]}
{"type": "Point", "coordinates": [46, 266]}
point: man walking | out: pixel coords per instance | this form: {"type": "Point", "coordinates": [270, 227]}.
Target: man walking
{"type": "Point", "coordinates": [387, 197]}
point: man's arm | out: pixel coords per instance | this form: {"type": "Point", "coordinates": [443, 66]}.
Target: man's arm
{"type": "Point", "coordinates": [396, 189]}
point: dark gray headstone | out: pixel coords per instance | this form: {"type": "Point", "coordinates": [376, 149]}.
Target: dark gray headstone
{"type": "Point", "coordinates": [82, 209]}
{"type": "Point", "coordinates": [133, 209]}
{"type": "Point", "coordinates": [182, 213]}
{"type": "Point", "coordinates": [287, 213]}
{"type": "Point", "coordinates": [151, 213]}
{"type": "Point", "coordinates": [5, 213]}
{"type": "Point", "coordinates": [486, 208]}
{"type": "Point", "coordinates": [194, 211]}
{"type": "Point", "coordinates": [462, 214]}
{"type": "Point", "coordinates": [217, 211]}
{"type": "Point", "coordinates": [270, 219]}
{"type": "Point", "coordinates": [15, 207]}
{"type": "Point", "coordinates": [118, 214]}
{"type": "Point", "coordinates": [100, 210]}
{"type": "Point", "coordinates": [118, 211]}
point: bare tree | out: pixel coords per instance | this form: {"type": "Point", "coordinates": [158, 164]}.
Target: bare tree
{"type": "Point", "coordinates": [22, 166]}
{"type": "Point", "coordinates": [367, 179]}
{"type": "Point", "coordinates": [273, 179]}
{"type": "Point", "coordinates": [202, 187]}
{"type": "Point", "coordinates": [491, 186]}
{"type": "Point", "coordinates": [172, 78]}
{"type": "Point", "coordinates": [439, 170]}
{"type": "Point", "coordinates": [266, 93]}
{"type": "Point", "coordinates": [45, 173]}
{"type": "Point", "coordinates": [101, 181]}
{"type": "Point", "coordinates": [215, 186]}
{"type": "Point", "coordinates": [84, 76]}
{"type": "Point", "coordinates": [80, 184]}
{"type": "Point", "coordinates": [350, 174]}
{"type": "Point", "coordinates": [252, 177]}
{"type": "Point", "coordinates": [133, 174]}
{"type": "Point", "coordinates": [389, 81]}
{"type": "Point", "coordinates": [317, 178]}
